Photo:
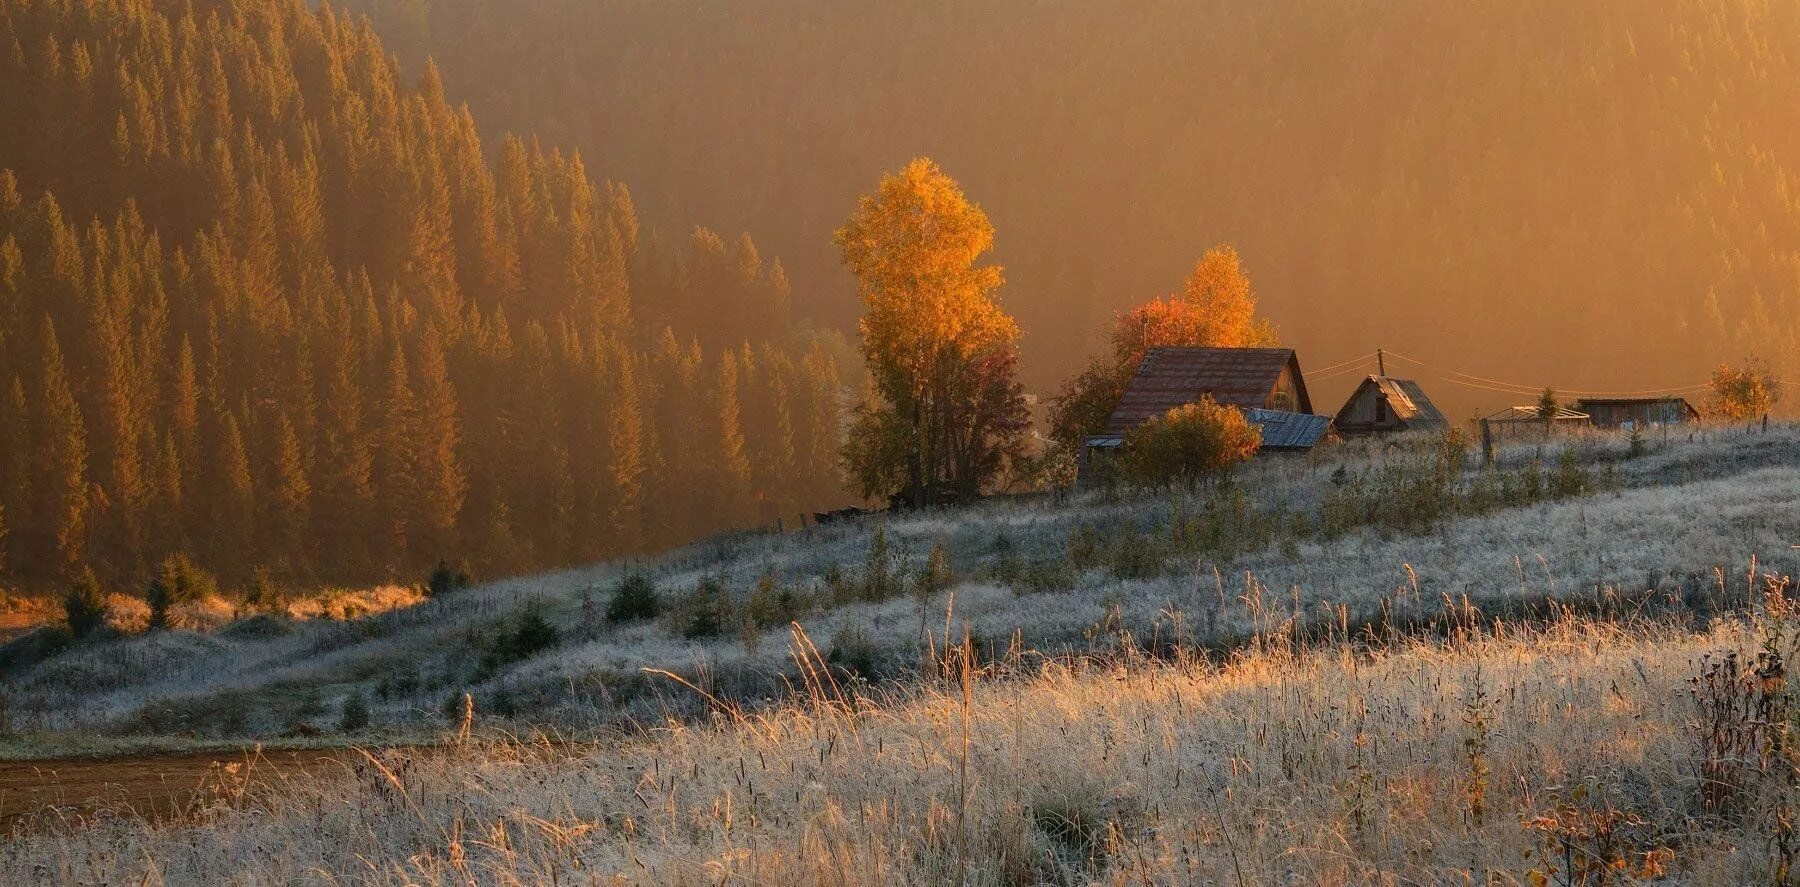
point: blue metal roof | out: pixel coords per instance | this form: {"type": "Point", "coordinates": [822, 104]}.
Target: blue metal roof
{"type": "Point", "coordinates": [1289, 431]}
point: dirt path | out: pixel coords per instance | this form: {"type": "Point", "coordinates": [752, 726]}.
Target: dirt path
{"type": "Point", "coordinates": [152, 786]}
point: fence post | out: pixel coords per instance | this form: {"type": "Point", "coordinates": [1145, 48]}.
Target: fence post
{"type": "Point", "coordinates": [1487, 443]}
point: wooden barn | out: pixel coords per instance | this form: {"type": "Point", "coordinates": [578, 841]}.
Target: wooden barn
{"type": "Point", "coordinates": [1638, 412]}
{"type": "Point", "coordinates": [1383, 404]}
{"type": "Point", "coordinates": [1263, 382]}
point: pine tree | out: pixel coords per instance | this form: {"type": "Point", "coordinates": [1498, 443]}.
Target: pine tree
{"type": "Point", "coordinates": [126, 483]}
{"type": "Point", "coordinates": [428, 275]}
{"type": "Point", "coordinates": [442, 481]}
{"type": "Point", "coordinates": [823, 428]}
{"type": "Point", "coordinates": [62, 459]}
{"type": "Point", "coordinates": [732, 468]}
{"type": "Point", "coordinates": [625, 456]}
{"type": "Point", "coordinates": [234, 529]}
{"type": "Point", "coordinates": [15, 460]}
{"type": "Point", "coordinates": [345, 488]}
{"type": "Point", "coordinates": [396, 461]}
{"type": "Point", "coordinates": [184, 407]}
{"type": "Point", "coordinates": [84, 605]}
{"type": "Point", "coordinates": [291, 499]}
{"type": "Point", "coordinates": [171, 516]}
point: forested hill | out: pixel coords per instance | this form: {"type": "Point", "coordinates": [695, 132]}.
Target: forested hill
{"type": "Point", "coordinates": [266, 302]}
{"type": "Point", "coordinates": [1591, 195]}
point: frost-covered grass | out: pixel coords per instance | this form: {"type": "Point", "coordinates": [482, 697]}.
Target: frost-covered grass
{"type": "Point", "coordinates": [1679, 518]}
{"type": "Point", "coordinates": [1572, 752]}
{"type": "Point", "coordinates": [1244, 686]}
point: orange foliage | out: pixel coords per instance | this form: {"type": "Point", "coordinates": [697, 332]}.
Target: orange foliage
{"type": "Point", "coordinates": [1215, 309]}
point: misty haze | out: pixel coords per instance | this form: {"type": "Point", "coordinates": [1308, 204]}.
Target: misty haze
{"type": "Point", "coordinates": [997, 443]}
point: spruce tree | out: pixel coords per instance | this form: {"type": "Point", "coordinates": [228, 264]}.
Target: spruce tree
{"type": "Point", "coordinates": [84, 605]}
{"type": "Point", "coordinates": [234, 530]}
{"type": "Point", "coordinates": [291, 499]}
{"type": "Point", "coordinates": [625, 457]}
{"type": "Point", "coordinates": [443, 484]}
{"type": "Point", "coordinates": [732, 467]}
{"type": "Point", "coordinates": [15, 457]}
{"type": "Point", "coordinates": [62, 458]}
{"type": "Point", "coordinates": [396, 458]}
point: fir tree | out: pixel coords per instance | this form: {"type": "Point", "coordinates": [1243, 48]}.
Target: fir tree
{"type": "Point", "coordinates": [625, 457]}
{"type": "Point", "coordinates": [732, 466]}
{"type": "Point", "coordinates": [84, 606]}
{"type": "Point", "coordinates": [440, 476]}
{"type": "Point", "coordinates": [291, 501]}
{"type": "Point", "coordinates": [396, 455]}
{"type": "Point", "coordinates": [62, 458]}
{"type": "Point", "coordinates": [235, 515]}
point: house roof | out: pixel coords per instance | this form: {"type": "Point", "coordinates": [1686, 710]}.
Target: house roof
{"type": "Point", "coordinates": [1588, 402]}
{"type": "Point", "coordinates": [1289, 431]}
{"type": "Point", "coordinates": [1406, 400]}
{"type": "Point", "coordinates": [1530, 414]}
{"type": "Point", "coordinates": [1628, 401]}
{"type": "Point", "coordinates": [1171, 377]}
{"type": "Point", "coordinates": [1652, 409]}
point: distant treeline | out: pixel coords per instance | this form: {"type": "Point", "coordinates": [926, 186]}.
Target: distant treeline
{"type": "Point", "coordinates": [266, 304]}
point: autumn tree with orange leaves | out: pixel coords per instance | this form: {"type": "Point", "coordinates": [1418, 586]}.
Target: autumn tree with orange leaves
{"type": "Point", "coordinates": [1215, 309]}
{"type": "Point", "coordinates": [944, 415]}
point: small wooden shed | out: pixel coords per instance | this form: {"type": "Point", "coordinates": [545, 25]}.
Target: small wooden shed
{"type": "Point", "coordinates": [1638, 412]}
{"type": "Point", "coordinates": [1383, 404]}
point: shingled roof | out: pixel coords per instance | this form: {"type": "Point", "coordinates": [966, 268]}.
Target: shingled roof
{"type": "Point", "coordinates": [1172, 377]}
{"type": "Point", "coordinates": [1406, 399]}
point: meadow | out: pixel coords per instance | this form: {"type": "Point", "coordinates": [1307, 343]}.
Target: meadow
{"type": "Point", "coordinates": [1384, 663]}
{"type": "Point", "coordinates": [1573, 751]}
{"type": "Point", "coordinates": [1355, 533]}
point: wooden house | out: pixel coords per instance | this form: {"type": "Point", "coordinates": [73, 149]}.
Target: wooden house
{"type": "Point", "coordinates": [1638, 412]}
{"type": "Point", "coordinates": [1263, 382]}
{"type": "Point", "coordinates": [1382, 404]}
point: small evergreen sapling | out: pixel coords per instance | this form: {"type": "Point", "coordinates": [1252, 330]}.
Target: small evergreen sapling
{"type": "Point", "coordinates": [633, 600]}
{"type": "Point", "coordinates": [355, 715]}
{"type": "Point", "coordinates": [84, 607]}
{"type": "Point", "coordinates": [179, 581]}
{"type": "Point", "coordinates": [446, 579]}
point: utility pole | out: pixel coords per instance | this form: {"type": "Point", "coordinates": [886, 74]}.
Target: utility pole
{"type": "Point", "coordinates": [1381, 362]}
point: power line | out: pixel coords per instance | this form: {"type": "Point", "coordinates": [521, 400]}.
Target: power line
{"type": "Point", "coordinates": [1326, 377]}
{"type": "Point", "coordinates": [1533, 389]}
{"type": "Point", "coordinates": [1321, 371]}
{"type": "Point", "coordinates": [1455, 381]}
{"type": "Point", "coordinates": [1522, 391]}
{"type": "Point", "coordinates": [1392, 353]}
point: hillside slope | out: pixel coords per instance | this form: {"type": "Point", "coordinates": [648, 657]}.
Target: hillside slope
{"type": "Point", "coordinates": [1349, 538]}
{"type": "Point", "coordinates": [268, 303]}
